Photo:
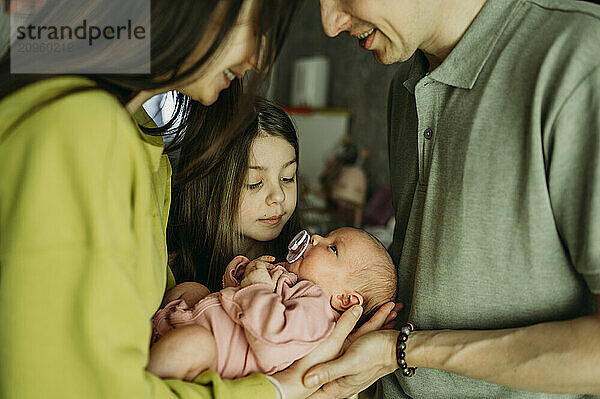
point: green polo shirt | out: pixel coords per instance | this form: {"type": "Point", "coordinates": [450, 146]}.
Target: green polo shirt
{"type": "Point", "coordinates": [84, 199]}
{"type": "Point", "coordinates": [495, 172]}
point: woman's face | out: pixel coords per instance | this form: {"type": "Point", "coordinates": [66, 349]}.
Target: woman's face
{"type": "Point", "coordinates": [268, 196]}
{"type": "Point", "coordinates": [235, 56]}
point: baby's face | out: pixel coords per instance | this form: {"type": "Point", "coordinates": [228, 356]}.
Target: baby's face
{"type": "Point", "coordinates": [329, 261]}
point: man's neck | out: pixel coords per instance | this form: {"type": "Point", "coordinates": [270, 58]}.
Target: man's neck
{"type": "Point", "coordinates": [453, 20]}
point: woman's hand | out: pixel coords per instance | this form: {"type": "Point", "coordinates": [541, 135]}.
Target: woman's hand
{"type": "Point", "coordinates": [368, 358]}
{"type": "Point", "coordinates": [291, 378]}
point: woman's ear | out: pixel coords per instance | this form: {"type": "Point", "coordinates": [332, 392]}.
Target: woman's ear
{"type": "Point", "coordinates": [346, 300]}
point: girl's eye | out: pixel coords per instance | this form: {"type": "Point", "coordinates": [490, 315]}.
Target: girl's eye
{"type": "Point", "coordinates": [288, 179]}
{"type": "Point", "coordinates": [333, 248]}
{"type": "Point", "coordinates": [255, 186]}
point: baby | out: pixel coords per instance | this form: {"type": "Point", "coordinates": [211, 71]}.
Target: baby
{"type": "Point", "coordinates": [268, 316]}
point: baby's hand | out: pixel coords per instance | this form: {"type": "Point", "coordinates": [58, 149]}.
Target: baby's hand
{"type": "Point", "coordinates": [257, 271]}
{"type": "Point", "coordinates": [189, 291]}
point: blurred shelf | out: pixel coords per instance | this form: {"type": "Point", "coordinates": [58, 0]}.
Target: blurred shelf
{"type": "Point", "coordinates": [308, 110]}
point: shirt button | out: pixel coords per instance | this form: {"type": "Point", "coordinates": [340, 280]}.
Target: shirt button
{"type": "Point", "coordinates": [428, 133]}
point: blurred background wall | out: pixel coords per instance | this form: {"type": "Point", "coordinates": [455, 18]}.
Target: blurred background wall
{"type": "Point", "coordinates": [357, 83]}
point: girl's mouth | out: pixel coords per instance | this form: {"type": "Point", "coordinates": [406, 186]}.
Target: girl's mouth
{"type": "Point", "coordinates": [272, 221]}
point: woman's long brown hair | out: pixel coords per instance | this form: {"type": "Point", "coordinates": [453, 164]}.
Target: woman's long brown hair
{"type": "Point", "coordinates": [202, 232]}
{"type": "Point", "coordinates": [176, 30]}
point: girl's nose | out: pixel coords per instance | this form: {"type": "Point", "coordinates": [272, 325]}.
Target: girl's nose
{"type": "Point", "coordinates": [276, 195]}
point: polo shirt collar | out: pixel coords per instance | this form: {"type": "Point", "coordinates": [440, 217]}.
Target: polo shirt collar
{"type": "Point", "coordinates": [418, 69]}
{"type": "Point", "coordinates": [466, 61]}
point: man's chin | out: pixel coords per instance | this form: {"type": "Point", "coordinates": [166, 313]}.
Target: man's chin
{"type": "Point", "coordinates": [388, 59]}
{"type": "Point", "coordinates": [383, 60]}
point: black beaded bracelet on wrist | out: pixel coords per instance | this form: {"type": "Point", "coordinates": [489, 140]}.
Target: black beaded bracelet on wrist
{"type": "Point", "coordinates": [401, 347]}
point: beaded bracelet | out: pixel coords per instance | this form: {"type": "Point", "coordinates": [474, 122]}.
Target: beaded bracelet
{"type": "Point", "coordinates": [401, 346]}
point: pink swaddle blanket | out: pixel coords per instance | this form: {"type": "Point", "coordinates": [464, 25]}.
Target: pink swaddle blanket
{"type": "Point", "coordinates": [256, 329]}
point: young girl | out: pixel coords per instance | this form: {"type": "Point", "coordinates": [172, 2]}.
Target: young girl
{"type": "Point", "coordinates": [246, 204]}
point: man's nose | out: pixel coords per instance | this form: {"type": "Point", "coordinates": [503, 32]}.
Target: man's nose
{"type": "Point", "coordinates": [333, 18]}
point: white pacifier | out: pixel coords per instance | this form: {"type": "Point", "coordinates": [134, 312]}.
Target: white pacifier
{"type": "Point", "coordinates": [297, 246]}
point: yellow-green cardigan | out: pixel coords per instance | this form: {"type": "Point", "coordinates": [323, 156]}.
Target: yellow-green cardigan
{"type": "Point", "coordinates": [84, 200]}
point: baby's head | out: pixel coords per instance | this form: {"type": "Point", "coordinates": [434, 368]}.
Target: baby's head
{"type": "Point", "coordinates": [352, 267]}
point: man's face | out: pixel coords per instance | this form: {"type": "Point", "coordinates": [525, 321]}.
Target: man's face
{"type": "Point", "coordinates": [392, 30]}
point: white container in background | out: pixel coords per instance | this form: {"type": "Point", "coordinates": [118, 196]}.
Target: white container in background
{"type": "Point", "coordinates": [320, 134]}
{"type": "Point", "coordinates": [310, 82]}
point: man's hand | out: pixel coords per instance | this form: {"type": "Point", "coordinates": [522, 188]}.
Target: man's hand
{"type": "Point", "coordinates": [291, 378]}
{"type": "Point", "coordinates": [257, 271]}
{"type": "Point", "coordinates": [383, 319]}
{"type": "Point", "coordinates": [368, 358]}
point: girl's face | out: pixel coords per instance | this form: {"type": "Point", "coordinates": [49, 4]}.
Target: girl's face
{"type": "Point", "coordinates": [235, 56]}
{"type": "Point", "coordinates": [268, 197]}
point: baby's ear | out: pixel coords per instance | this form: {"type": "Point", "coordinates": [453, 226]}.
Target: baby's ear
{"type": "Point", "coordinates": [346, 300]}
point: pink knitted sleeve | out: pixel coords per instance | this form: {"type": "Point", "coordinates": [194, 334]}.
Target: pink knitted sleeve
{"type": "Point", "coordinates": [234, 272]}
